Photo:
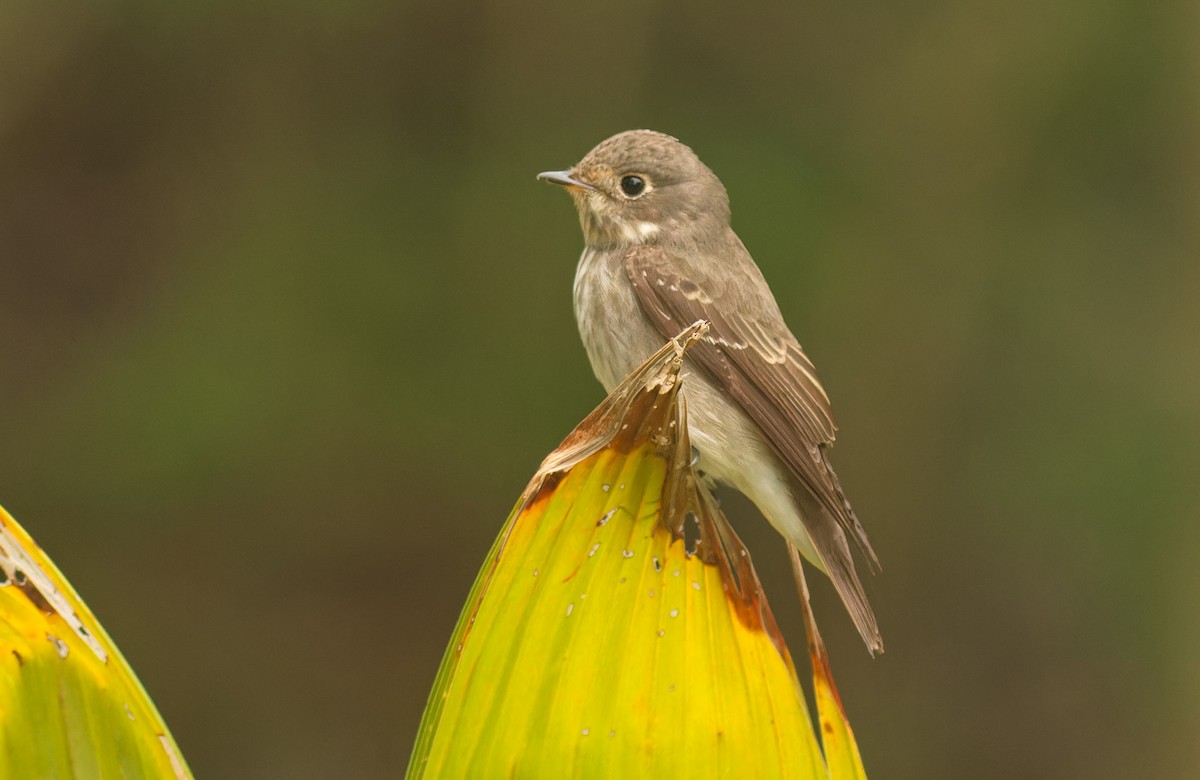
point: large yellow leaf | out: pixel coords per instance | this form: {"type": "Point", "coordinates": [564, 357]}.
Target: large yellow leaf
{"type": "Point", "coordinates": [70, 706]}
{"type": "Point", "coordinates": [595, 643]}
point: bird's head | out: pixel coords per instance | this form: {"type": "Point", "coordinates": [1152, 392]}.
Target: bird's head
{"type": "Point", "coordinates": [641, 186]}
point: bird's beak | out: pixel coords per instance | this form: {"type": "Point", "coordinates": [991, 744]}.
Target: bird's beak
{"type": "Point", "coordinates": [565, 179]}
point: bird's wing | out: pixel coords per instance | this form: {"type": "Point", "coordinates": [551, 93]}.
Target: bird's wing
{"type": "Point", "coordinates": [750, 353]}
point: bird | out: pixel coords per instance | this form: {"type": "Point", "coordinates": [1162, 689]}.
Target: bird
{"type": "Point", "coordinates": [659, 254]}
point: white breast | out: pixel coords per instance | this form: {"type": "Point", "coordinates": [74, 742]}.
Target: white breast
{"type": "Point", "coordinates": [615, 332]}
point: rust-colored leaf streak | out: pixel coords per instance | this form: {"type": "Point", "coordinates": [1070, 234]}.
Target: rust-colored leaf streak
{"type": "Point", "coordinates": [837, 738]}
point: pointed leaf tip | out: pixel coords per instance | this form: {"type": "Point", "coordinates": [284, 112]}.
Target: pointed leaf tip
{"type": "Point", "coordinates": [595, 644]}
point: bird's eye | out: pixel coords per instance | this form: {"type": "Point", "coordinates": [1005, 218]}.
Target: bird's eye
{"type": "Point", "coordinates": [633, 185]}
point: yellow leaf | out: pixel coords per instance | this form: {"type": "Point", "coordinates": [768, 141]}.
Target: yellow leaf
{"type": "Point", "coordinates": [70, 706]}
{"type": "Point", "coordinates": [596, 644]}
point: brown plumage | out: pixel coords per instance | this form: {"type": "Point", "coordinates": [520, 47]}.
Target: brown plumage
{"type": "Point", "coordinates": [659, 255]}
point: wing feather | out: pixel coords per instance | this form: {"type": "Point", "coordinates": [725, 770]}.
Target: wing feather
{"type": "Point", "coordinates": [750, 353]}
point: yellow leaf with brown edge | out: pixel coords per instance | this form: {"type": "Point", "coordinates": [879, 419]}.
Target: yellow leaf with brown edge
{"type": "Point", "coordinates": [596, 644]}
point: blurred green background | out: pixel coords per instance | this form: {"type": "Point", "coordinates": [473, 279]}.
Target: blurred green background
{"type": "Point", "coordinates": [285, 326]}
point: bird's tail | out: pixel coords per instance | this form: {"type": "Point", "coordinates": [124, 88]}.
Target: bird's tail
{"type": "Point", "coordinates": [829, 541]}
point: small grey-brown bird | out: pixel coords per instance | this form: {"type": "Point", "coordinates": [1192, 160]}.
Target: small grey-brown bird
{"type": "Point", "coordinates": [660, 254]}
